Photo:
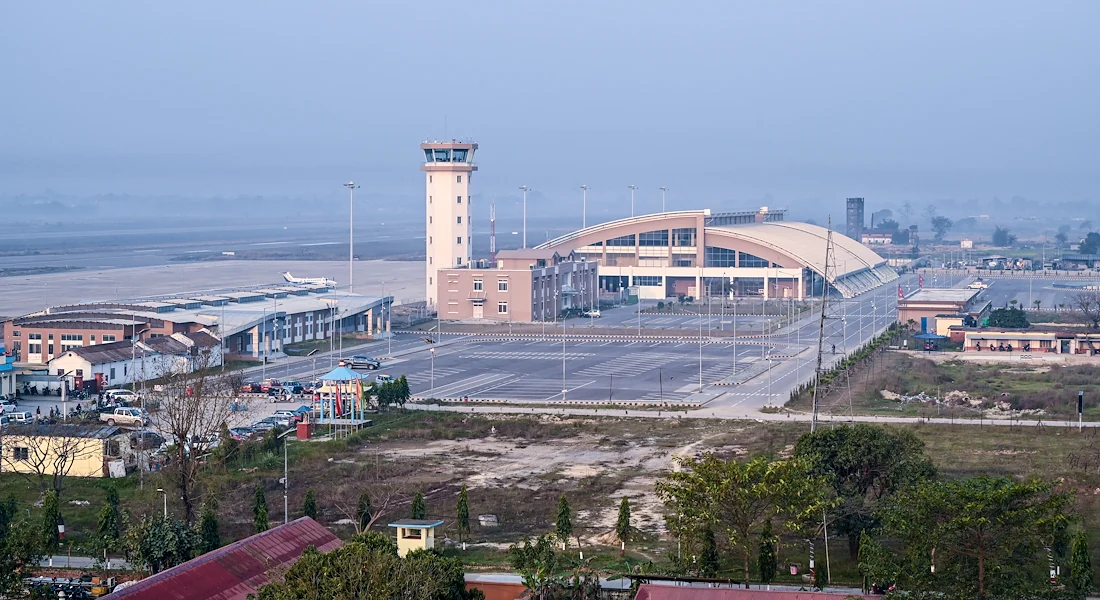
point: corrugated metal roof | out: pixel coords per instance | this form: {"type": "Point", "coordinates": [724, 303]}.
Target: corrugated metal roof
{"type": "Point", "coordinates": [649, 591]}
{"type": "Point", "coordinates": [237, 570]}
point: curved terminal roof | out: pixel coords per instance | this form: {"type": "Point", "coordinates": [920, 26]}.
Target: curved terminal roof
{"type": "Point", "coordinates": [858, 268]}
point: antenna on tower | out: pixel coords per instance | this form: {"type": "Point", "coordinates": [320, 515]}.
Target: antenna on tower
{"type": "Point", "coordinates": [493, 232]}
{"type": "Point", "coordinates": [828, 276]}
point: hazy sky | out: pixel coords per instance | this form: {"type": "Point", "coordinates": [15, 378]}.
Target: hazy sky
{"type": "Point", "coordinates": [733, 103]}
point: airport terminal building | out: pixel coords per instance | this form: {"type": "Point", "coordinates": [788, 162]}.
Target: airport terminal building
{"type": "Point", "coordinates": [251, 321]}
{"type": "Point", "coordinates": [698, 253]}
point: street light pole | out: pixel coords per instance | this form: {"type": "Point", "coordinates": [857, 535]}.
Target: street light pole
{"type": "Point", "coordinates": [524, 188]}
{"type": "Point", "coordinates": [663, 190]}
{"type": "Point", "coordinates": [351, 236]}
{"type": "Point", "coordinates": [632, 188]}
{"type": "Point", "coordinates": [584, 206]}
{"type": "Point", "coordinates": [286, 477]}
{"type": "Point", "coordinates": [161, 490]}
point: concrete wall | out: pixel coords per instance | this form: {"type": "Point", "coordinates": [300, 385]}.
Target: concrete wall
{"type": "Point", "coordinates": [86, 454]}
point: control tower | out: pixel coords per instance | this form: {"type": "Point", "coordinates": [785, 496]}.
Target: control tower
{"type": "Point", "coordinates": [448, 167]}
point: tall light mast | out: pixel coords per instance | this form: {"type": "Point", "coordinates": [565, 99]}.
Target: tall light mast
{"type": "Point", "coordinates": [493, 233]}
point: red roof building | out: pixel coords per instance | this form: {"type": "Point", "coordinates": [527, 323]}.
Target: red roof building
{"type": "Point", "coordinates": [649, 591]}
{"type": "Point", "coordinates": [237, 570]}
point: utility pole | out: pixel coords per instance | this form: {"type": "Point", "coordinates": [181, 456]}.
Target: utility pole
{"type": "Point", "coordinates": [829, 267]}
{"type": "Point", "coordinates": [351, 236]}
{"type": "Point", "coordinates": [584, 206]}
{"type": "Point", "coordinates": [524, 188]}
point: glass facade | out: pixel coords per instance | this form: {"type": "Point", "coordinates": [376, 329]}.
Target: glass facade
{"type": "Point", "coordinates": [626, 240]}
{"type": "Point", "coordinates": [647, 280]}
{"type": "Point", "coordinates": [748, 260]}
{"type": "Point", "coordinates": [653, 238]}
{"type": "Point", "coordinates": [720, 257]}
{"type": "Point", "coordinates": [684, 236]}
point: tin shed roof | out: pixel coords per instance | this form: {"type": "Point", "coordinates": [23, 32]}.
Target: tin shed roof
{"type": "Point", "coordinates": [237, 570]}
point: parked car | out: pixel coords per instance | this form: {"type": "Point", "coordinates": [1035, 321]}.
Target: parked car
{"type": "Point", "coordinates": [242, 433]}
{"type": "Point", "coordinates": [293, 387]}
{"type": "Point", "coordinates": [594, 314]}
{"type": "Point", "coordinates": [267, 384]}
{"type": "Point", "coordinates": [363, 362]}
{"type": "Point", "coordinates": [262, 425]}
{"type": "Point", "coordinates": [4, 421]}
{"type": "Point", "coordinates": [383, 378]}
{"type": "Point", "coordinates": [131, 417]}
{"type": "Point", "coordinates": [294, 416]}
{"type": "Point", "coordinates": [121, 397]}
{"type": "Point", "coordinates": [280, 420]}
{"type": "Point", "coordinates": [250, 387]}
{"type": "Point", "coordinates": [7, 406]}
{"type": "Point", "coordinates": [146, 440]}
{"type": "Point", "coordinates": [21, 417]}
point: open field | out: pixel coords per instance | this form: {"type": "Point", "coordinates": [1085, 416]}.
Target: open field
{"type": "Point", "coordinates": [902, 384]}
{"type": "Point", "coordinates": [517, 466]}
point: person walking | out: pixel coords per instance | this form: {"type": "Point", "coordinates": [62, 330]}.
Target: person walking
{"type": "Point", "coordinates": [38, 414]}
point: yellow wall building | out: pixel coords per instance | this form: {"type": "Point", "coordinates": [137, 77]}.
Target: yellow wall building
{"type": "Point", "coordinates": [78, 450]}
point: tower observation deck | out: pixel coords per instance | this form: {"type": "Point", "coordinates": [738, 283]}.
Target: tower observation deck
{"type": "Point", "coordinates": [448, 168]}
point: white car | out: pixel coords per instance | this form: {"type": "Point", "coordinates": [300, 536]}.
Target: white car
{"type": "Point", "coordinates": [6, 407]}
{"type": "Point", "coordinates": [21, 417]}
{"type": "Point", "coordinates": [120, 395]}
{"type": "Point", "coordinates": [595, 314]}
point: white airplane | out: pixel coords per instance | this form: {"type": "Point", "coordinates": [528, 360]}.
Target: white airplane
{"type": "Point", "coordinates": [314, 280]}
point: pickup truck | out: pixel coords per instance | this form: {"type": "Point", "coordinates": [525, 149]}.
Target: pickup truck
{"type": "Point", "coordinates": [133, 417]}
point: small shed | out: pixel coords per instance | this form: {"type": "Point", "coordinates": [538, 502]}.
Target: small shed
{"type": "Point", "coordinates": [415, 534]}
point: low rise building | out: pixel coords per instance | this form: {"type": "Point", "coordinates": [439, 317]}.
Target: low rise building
{"type": "Point", "coordinates": [877, 238]}
{"type": "Point", "coordinates": [7, 372]}
{"type": "Point", "coordinates": [415, 534]}
{"type": "Point", "coordinates": [71, 450]}
{"type": "Point", "coordinates": [255, 321]}
{"type": "Point", "coordinates": [123, 363]}
{"type": "Point", "coordinates": [1044, 340]}
{"type": "Point", "coordinates": [524, 286]}
{"type": "Point", "coordinates": [923, 305]}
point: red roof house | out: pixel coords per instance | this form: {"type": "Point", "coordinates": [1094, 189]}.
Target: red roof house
{"type": "Point", "coordinates": [237, 570]}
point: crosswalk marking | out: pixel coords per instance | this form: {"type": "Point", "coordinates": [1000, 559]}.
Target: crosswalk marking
{"type": "Point", "coordinates": [526, 355]}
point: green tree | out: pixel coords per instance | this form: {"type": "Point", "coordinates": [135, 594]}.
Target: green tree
{"type": "Point", "coordinates": [358, 572]}
{"type": "Point", "coordinates": [766, 560]}
{"type": "Point", "coordinates": [941, 225]}
{"type": "Point", "coordinates": [376, 541]}
{"type": "Point", "coordinates": [229, 449]}
{"type": "Point", "coordinates": [622, 523]}
{"type": "Point", "coordinates": [737, 498]}
{"type": "Point", "coordinates": [1002, 238]}
{"type": "Point", "coordinates": [21, 547]}
{"type": "Point", "coordinates": [51, 517]}
{"type": "Point", "coordinates": [1091, 244]}
{"type": "Point", "coordinates": [864, 464]}
{"type": "Point", "coordinates": [708, 552]}
{"type": "Point", "coordinates": [309, 505]}
{"type": "Point", "coordinates": [1080, 564]}
{"type": "Point", "coordinates": [210, 538]}
{"type": "Point", "coordinates": [982, 534]}
{"type": "Point", "coordinates": [259, 509]}
{"type": "Point", "coordinates": [563, 525]}
{"type": "Point", "coordinates": [405, 393]}
{"type": "Point", "coordinates": [109, 523]}
{"type": "Point", "coordinates": [1011, 317]}
{"type": "Point", "coordinates": [363, 511]}
{"type": "Point", "coordinates": [876, 564]}
{"type": "Point", "coordinates": [463, 514]}
{"type": "Point", "coordinates": [419, 509]}
{"type": "Point", "coordinates": [537, 563]}
{"type": "Point", "coordinates": [158, 543]}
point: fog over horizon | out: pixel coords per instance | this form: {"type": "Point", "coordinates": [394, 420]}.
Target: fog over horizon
{"type": "Point", "coordinates": [161, 109]}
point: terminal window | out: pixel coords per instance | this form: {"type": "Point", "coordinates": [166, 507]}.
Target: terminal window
{"type": "Point", "coordinates": [625, 240]}
{"type": "Point", "coordinates": [720, 257]}
{"type": "Point", "coordinates": [749, 260]}
{"type": "Point", "coordinates": [647, 280]}
{"type": "Point", "coordinates": [653, 238]}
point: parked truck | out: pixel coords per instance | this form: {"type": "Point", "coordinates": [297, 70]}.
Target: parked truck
{"type": "Point", "coordinates": [124, 416]}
